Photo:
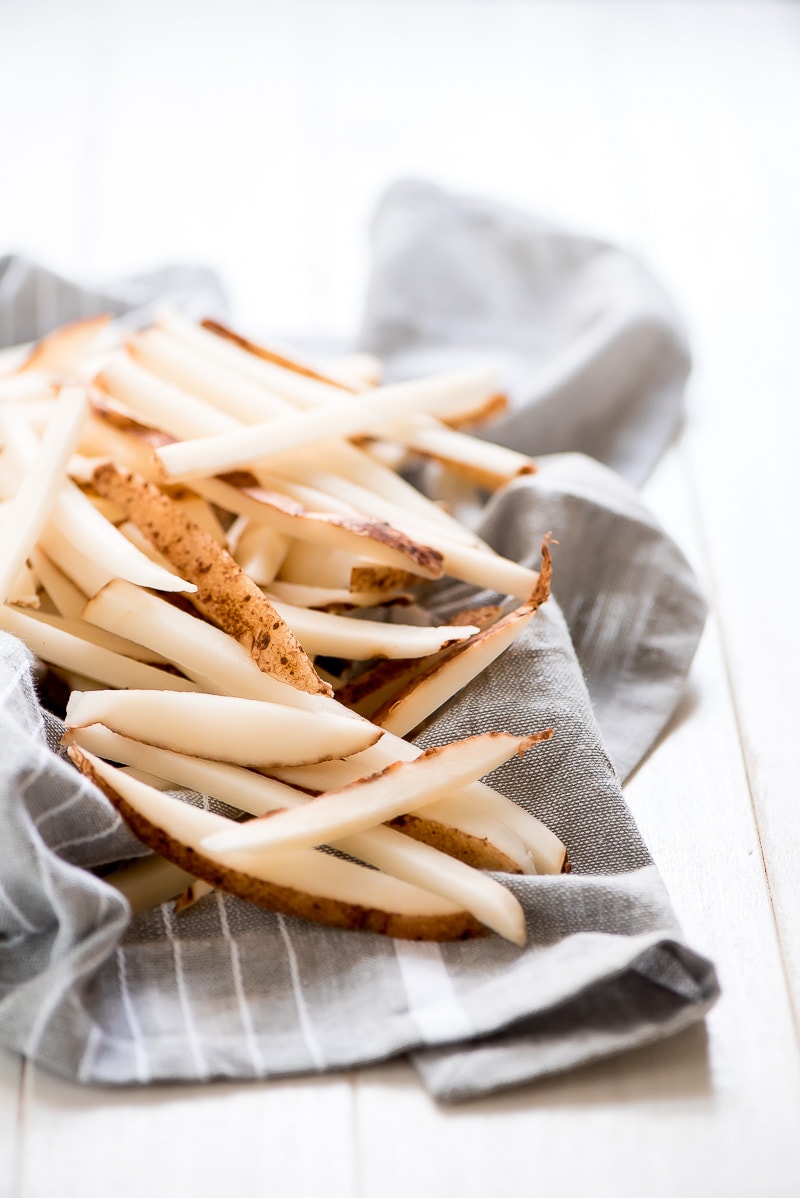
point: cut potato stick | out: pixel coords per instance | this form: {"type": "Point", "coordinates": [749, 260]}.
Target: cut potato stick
{"type": "Point", "coordinates": [302, 388]}
{"type": "Point", "coordinates": [301, 595]}
{"type": "Point", "coordinates": [339, 636]}
{"type": "Point", "coordinates": [224, 592]}
{"type": "Point", "coordinates": [432, 686]}
{"type": "Point", "coordinates": [70, 652]}
{"type": "Point", "coordinates": [215, 660]}
{"type": "Point", "coordinates": [68, 599]}
{"type": "Point", "coordinates": [25, 515]}
{"type": "Point", "coordinates": [467, 807]}
{"type": "Point", "coordinates": [26, 388]}
{"type": "Point", "coordinates": [98, 636]}
{"type": "Point", "coordinates": [306, 883]}
{"type": "Point", "coordinates": [481, 462]}
{"type": "Point", "coordinates": [148, 882]}
{"type": "Point", "coordinates": [24, 589]}
{"type": "Point", "coordinates": [223, 727]}
{"type": "Point", "coordinates": [386, 849]}
{"type": "Point", "coordinates": [383, 544]}
{"type": "Point", "coordinates": [160, 404]}
{"type": "Point", "coordinates": [92, 535]}
{"type": "Point", "coordinates": [361, 366]}
{"type": "Point", "coordinates": [202, 376]}
{"type": "Point", "coordinates": [401, 787]}
{"type": "Point", "coordinates": [259, 550]}
{"type": "Point", "coordinates": [259, 795]}
{"type": "Point", "coordinates": [62, 352]}
{"type": "Point", "coordinates": [350, 417]}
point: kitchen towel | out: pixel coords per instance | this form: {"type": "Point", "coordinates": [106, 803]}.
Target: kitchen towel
{"type": "Point", "coordinates": [228, 990]}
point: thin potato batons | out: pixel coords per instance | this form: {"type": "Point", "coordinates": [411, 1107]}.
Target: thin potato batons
{"type": "Point", "coordinates": [224, 592]}
{"type": "Point", "coordinates": [381, 847]}
{"type": "Point", "coordinates": [223, 727]}
{"type": "Point", "coordinates": [401, 787]}
{"type": "Point", "coordinates": [306, 884]}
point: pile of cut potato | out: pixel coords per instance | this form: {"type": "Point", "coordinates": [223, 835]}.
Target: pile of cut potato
{"type": "Point", "coordinates": [197, 534]}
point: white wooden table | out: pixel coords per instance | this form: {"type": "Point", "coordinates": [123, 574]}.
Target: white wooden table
{"type": "Point", "coordinates": [256, 138]}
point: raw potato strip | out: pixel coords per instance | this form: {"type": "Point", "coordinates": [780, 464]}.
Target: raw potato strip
{"type": "Point", "coordinates": [24, 589]}
{"type": "Point", "coordinates": [401, 787]}
{"type": "Point", "coordinates": [306, 884]}
{"type": "Point", "coordinates": [160, 404]}
{"type": "Point", "coordinates": [223, 727]}
{"type": "Point", "coordinates": [361, 366]}
{"type": "Point", "coordinates": [481, 462]}
{"type": "Point", "coordinates": [382, 682]}
{"type": "Point", "coordinates": [70, 652]}
{"type": "Point", "coordinates": [26, 388]}
{"type": "Point", "coordinates": [301, 595]}
{"type": "Point", "coordinates": [106, 640]}
{"type": "Point", "coordinates": [202, 376]}
{"type": "Point", "coordinates": [224, 592]}
{"type": "Point", "coordinates": [467, 808]}
{"type": "Point", "coordinates": [384, 848]}
{"type": "Point", "coordinates": [148, 882]}
{"type": "Point", "coordinates": [205, 653]}
{"type": "Point", "coordinates": [259, 550]}
{"type": "Point", "coordinates": [25, 515]}
{"type": "Point", "coordinates": [303, 389]}
{"type": "Point", "coordinates": [432, 686]}
{"type": "Point", "coordinates": [62, 351]}
{"type": "Point", "coordinates": [100, 542]}
{"type": "Point", "coordinates": [349, 417]}
{"type": "Point", "coordinates": [364, 538]}
{"type": "Point", "coordinates": [340, 636]}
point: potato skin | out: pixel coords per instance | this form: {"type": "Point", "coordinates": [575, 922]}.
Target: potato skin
{"type": "Point", "coordinates": [281, 899]}
{"type": "Point", "coordinates": [225, 593]}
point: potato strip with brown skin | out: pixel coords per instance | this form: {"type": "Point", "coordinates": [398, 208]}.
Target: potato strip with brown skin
{"type": "Point", "coordinates": [154, 829]}
{"type": "Point", "coordinates": [225, 593]}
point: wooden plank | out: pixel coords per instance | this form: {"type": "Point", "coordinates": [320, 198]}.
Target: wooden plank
{"type": "Point", "coordinates": [282, 1137]}
{"type": "Point", "coordinates": [10, 1155]}
{"type": "Point", "coordinates": [722, 198]}
{"type": "Point", "coordinates": [655, 1120]}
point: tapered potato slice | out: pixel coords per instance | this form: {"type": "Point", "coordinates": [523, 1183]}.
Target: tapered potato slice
{"type": "Point", "coordinates": [161, 404]}
{"type": "Point", "coordinates": [401, 787]}
{"type": "Point", "coordinates": [24, 516]}
{"type": "Point", "coordinates": [223, 727]}
{"type": "Point", "coordinates": [341, 636]}
{"type": "Point", "coordinates": [384, 848]}
{"type": "Point", "coordinates": [65, 649]}
{"type": "Point", "coordinates": [320, 597]}
{"type": "Point", "coordinates": [349, 417]}
{"type": "Point", "coordinates": [306, 884]}
{"type": "Point", "coordinates": [224, 592]}
{"type": "Point", "coordinates": [359, 365]}
{"type": "Point", "coordinates": [61, 352]}
{"type": "Point", "coordinates": [444, 677]}
{"type": "Point", "coordinates": [480, 462]}
{"type": "Point", "coordinates": [380, 542]}
{"type": "Point", "coordinates": [475, 808]}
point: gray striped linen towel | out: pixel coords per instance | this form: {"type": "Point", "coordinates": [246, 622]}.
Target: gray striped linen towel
{"type": "Point", "coordinates": [227, 990]}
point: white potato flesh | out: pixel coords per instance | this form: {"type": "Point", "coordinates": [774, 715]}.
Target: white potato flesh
{"type": "Point", "coordinates": [215, 660]}
{"type": "Point", "coordinates": [427, 693]}
{"type": "Point", "coordinates": [402, 787]}
{"type": "Point", "coordinates": [25, 515]}
{"type": "Point", "coordinates": [70, 652]}
{"type": "Point", "coordinates": [340, 636]}
{"type": "Point", "coordinates": [223, 727]}
{"type": "Point", "coordinates": [210, 380]}
{"type": "Point", "coordinates": [161, 405]}
{"type": "Point", "coordinates": [304, 870]}
{"type": "Point", "coordinates": [474, 802]}
{"type": "Point", "coordinates": [381, 847]}
{"type": "Point", "coordinates": [349, 417]}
